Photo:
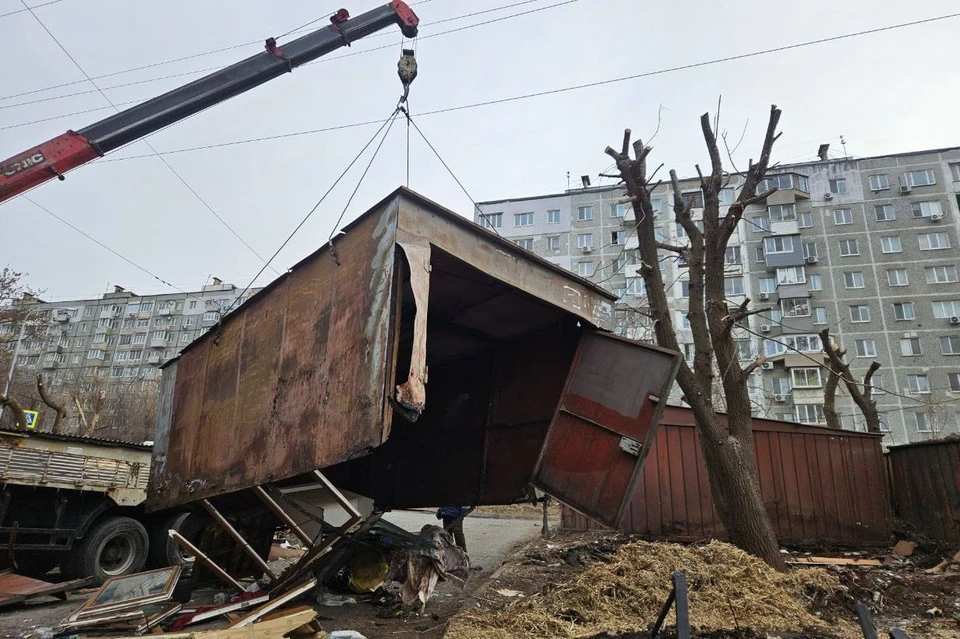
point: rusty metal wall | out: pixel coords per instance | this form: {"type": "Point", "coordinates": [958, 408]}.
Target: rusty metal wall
{"type": "Point", "coordinates": [293, 381]}
{"type": "Point", "coordinates": [925, 478]}
{"type": "Point", "coordinates": [818, 485]}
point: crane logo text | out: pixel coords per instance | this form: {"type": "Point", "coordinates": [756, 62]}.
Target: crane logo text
{"type": "Point", "coordinates": [9, 170]}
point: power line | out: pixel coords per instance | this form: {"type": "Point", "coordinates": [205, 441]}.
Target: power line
{"type": "Point", "coordinates": [229, 48]}
{"type": "Point", "coordinates": [526, 96]}
{"type": "Point", "coordinates": [147, 142]}
{"type": "Point", "coordinates": [36, 6]}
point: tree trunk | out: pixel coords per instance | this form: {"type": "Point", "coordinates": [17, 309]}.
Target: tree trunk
{"type": "Point", "coordinates": [830, 401]}
{"type": "Point", "coordinates": [49, 401]}
{"type": "Point", "coordinates": [19, 419]}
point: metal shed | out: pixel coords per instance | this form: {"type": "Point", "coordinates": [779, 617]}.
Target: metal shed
{"type": "Point", "coordinates": [925, 478]}
{"type": "Point", "coordinates": [418, 360]}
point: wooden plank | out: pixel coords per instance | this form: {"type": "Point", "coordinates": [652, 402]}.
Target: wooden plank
{"type": "Point", "coordinates": [834, 561]}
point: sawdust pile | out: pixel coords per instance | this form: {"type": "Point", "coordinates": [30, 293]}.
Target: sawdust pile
{"type": "Point", "coordinates": [727, 589]}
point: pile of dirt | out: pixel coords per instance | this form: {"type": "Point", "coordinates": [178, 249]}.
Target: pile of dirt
{"type": "Point", "coordinates": [728, 589]}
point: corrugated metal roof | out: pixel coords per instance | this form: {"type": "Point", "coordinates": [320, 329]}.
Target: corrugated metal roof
{"type": "Point", "coordinates": [75, 438]}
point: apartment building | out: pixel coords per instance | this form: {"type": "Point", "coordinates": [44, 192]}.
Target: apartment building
{"type": "Point", "coordinates": [120, 336]}
{"type": "Point", "coordinates": [867, 247]}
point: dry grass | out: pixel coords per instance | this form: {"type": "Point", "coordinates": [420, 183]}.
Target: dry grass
{"type": "Point", "coordinates": [727, 589]}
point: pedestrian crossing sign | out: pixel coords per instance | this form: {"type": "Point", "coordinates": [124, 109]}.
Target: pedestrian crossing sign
{"type": "Point", "coordinates": [32, 417]}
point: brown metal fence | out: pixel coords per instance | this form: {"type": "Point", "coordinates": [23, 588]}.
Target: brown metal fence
{"type": "Point", "coordinates": [819, 486]}
{"type": "Point", "coordinates": [926, 486]}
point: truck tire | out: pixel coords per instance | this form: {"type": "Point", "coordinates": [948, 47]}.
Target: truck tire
{"type": "Point", "coordinates": [113, 546]}
{"type": "Point", "coordinates": [163, 550]}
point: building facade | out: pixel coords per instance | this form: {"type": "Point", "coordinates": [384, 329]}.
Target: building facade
{"type": "Point", "coordinates": [867, 247]}
{"type": "Point", "coordinates": [120, 336]}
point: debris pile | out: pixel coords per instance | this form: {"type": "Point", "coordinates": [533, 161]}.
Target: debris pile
{"type": "Point", "coordinates": [728, 589]}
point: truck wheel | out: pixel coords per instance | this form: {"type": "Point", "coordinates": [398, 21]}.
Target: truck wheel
{"type": "Point", "coordinates": [112, 547]}
{"type": "Point", "coordinates": [165, 551]}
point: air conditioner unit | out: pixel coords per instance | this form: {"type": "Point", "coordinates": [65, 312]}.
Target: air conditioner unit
{"type": "Point", "coordinates": [779, 398]}
{"type": "Point", "coordinates": [905, 189]}
{"type": "Point", "coordinates": [764, 328]}
{"type": "Point", "coordinates": [828, 196]}
{"type": "Point", "coordinates": [586, 249]}
{"type": "Point", "coordinates": [936, 217]}
{"type": "Point", "coordinates": [955, 319]}
{"type": "Point", "coordinates": [812, 259]}
{"type": "Point", "coordinates": [767, 366]}
{"type": "Point", "coordinates": [764, 296]}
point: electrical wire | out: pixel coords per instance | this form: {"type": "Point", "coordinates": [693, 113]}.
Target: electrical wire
{"type": "Point", "coordinates": [36, 6]}
{"type": "Point", "coordinates": [147, 142]}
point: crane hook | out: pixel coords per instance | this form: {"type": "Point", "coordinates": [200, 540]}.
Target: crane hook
{"type": "Point", "coordinates": [407, 70]}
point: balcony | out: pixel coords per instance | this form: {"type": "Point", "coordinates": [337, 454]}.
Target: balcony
{"type": "Point", "coordinates": [166, 310]}
{"type": "Point", "coordinates": [153, 358]}
{"type": "Point", "coordinates": [50, 364]}
{"type": "Point", "coordinates": [53, 347]}
{"type": "Point", "coordinates": [793, 290]}
{"type": "Point", "coordinates": [790, 227]}
{"type": "Point", "coordinates": [158, 342]}
{"type": "Point", "coordinates": [790, 186]}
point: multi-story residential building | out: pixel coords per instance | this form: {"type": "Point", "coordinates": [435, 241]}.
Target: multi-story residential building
{"type": "Point", "coordinates": [867, 247]}
{"type": "Point", "coordinates": [120, 336]}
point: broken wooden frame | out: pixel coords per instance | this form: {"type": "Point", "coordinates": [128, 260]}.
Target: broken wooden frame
{"type": "Point", "coordinates": [128, 591]}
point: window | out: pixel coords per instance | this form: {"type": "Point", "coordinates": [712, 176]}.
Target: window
{"type": "Point", "coordinates": [897, 277]}
{"type": "Point", "coordinates": [160, 335]}
{"type": "Point", "coordinates": [618, 237]}
{"type": "Point", "coordinates": [585, 213]}
{"type": "Point", "coordinates": [193, 304]}
{"type": "Point", "coordinates": [553, 216]}
{"type": "Point", "coordinates": [681, 232]}
{"type": "Point", "coordinates": [136, 354]}
{"type": "Point", "coordinates": [795, 307]}
{"type": "Point", "coordinates": [585, 240]}
{"type": "Point", "coordinates": [657, 205]}
{"type": "Point", "coordinates": [618, 210]}
{"type": "Point", "coordinates": [860, 313]}
{"type": "Point", "coordinates": [140, 338]}
{"type": "Point", "coordinates": [553, 244]}
{"type": "Point", "coordinates": [88, 311]}
{"type": "Point", "coordinates": [128, 323]}
{"type": "Point", "coordinates": [876, 383]}
{"type": "Point", "coordinates": [806, 377]}
{"type": "Point", "coordinates": [780, 244]}
{"type": "Point", "coordinates": [146, 306]}
{"type": "Point", "coordinates": [933, 241]}
{"type": "Point", "coordinates": [84, 327]}
{"type": "Point", "coordinates": [772, 347]}
{"type": "Point", "coordinates": [950, 345]}
{"type": "Point", "coordinates": [910, 347]}
{"type": "Point", "coordinates": [866, 348]}
{"type": "Point", "coordinates": [726, 197]}
{"type": "Point", "coordinates": [838, 186]}
{"type": "Point", "coordinates": [811, 249]}
{"type": "Point", "coordinates": [848, 248]}
{"type": "Point", "coordinates": [810, 413]}
{"type": "Point", "coordinates": [211, 316]}
{"type": "Point", "coordinates": [955, 171]}
{"type": "Point", "coordinates": [891, 244]}
{"type": "Point", "coordinates": [525, 243]}
{"type": "Point", "coordinates": [820, 313]}
{"type": "Point", "coordinates": [684, 321]}
{"type": "Point", "coordinates": [853, 279]}
{"type": "Point", "coordinates": [144, 323]}
{"type": "Point", "coordinates": [926, 209]}
{"type": "Point", "coordinates": [768, 285]}
{"type": "Point", "coordinates": [782, 213]}
{"type": "Point", "coordinates": [758, 254]}
{"type": "Point", "coordinates": [791, 275]}
{"type": "Point", "coordinates": [75, 359]}
{"type": "Point", "coordinates": [174, 321]}
{"type": "Point", "coordinates": [804, 221]}
{"type": "Point", "coordinates": [904, 311]}
{"type": "Point", "coordinates": [585, 269]}
{"type": "Point", "coordinates": [95, 353]}
{"type": "Point", "coordinates": [842, 216]}
{"type": "Point", "coordinates": [99, 338]}
{"type": "Point", "coordinates": [78, 343]}
{"type": "Point", "coordinates": [487, 220]}
{"type": "Point", "coordinates": [733, 286]}
{"type": "Point", "coordinates": [803, 343]}
{"type": "Point", "coordinates": [732, 255]}
{"type": "Point", "coordinates": [954, 380]}
{"type": "Point", "coordinates": [921, 178]}
{"type": "Point", "coordinates": [879, 183]}
{"type": "Point", "coordinates": [761, 223]}
{"type": "Point", "coordinates": [922, 421]}
{"type": "Point", "coordinates": [695, 196]}
{"type": "Point", "coordinates": [619, 263]}
{"type": "Point", "coordinates": [120, 357]}
{"type": "Point", "coordinates": [816, 284]}
{"type": "Point", "coordinates": [184, 338]}
{"type": "Point", "coordinates": [523, 219]}
{"type": "Point", "coordinates": [781, 385]}
{"type": "Point", "coordinates": [918, 384]}
{"type": "Point", "coordinates": [187, 321]}
{"type": "Point", "coordinates": [941, 274]}
{"type": "Point", "coordinates": [781, 182]}
{"type": "Point", "coordinates": [635, 287]}
{"type": "Point", "coordinates": [884, 213]}
{"type": "Point", "coordinates": [688, 352]}
{"type": "Point", "coordinates": [946, 308]}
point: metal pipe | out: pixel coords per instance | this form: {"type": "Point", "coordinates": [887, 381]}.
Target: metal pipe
{"type": "Point", "coordinates": [282, 515]}
{"type": "Point", "coordinates": [206, 561]}
{"type": "Point", "coordinates": [237, 537]}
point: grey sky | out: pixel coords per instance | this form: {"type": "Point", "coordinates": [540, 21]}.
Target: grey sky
{"type": "Point", "coordinates": [886, 92]}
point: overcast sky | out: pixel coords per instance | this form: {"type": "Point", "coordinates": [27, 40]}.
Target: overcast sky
{"type": "Point", "coordinates": [885, 93]}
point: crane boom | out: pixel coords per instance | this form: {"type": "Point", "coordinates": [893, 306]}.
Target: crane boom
{"type": "Point", "coordinates": [75, 148]}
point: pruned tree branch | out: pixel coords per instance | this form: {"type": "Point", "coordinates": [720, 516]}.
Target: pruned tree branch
{"type": "Point", "coordinates": [19, 418]}
{"type": "Point", "coordinates": [55, 405]}
{"type": "Point", "coordinates": [862, 395]}
{"type": "Point", "coordinates": [671, 247]}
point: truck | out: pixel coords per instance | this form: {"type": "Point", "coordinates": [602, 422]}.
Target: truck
{"type": "Point", "coordinates": [79, 502]}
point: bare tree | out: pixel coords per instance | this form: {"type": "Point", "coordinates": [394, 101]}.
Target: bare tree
{"type": "Point", "coordinates": [862, 393]}
{"type": "Point", "coordinates": [52, 403]}
{"type": "Point", "coordinates": [728, 452]}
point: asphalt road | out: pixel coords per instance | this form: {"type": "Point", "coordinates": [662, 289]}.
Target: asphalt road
{"type": "Point", "coordinates": [489, 540]}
